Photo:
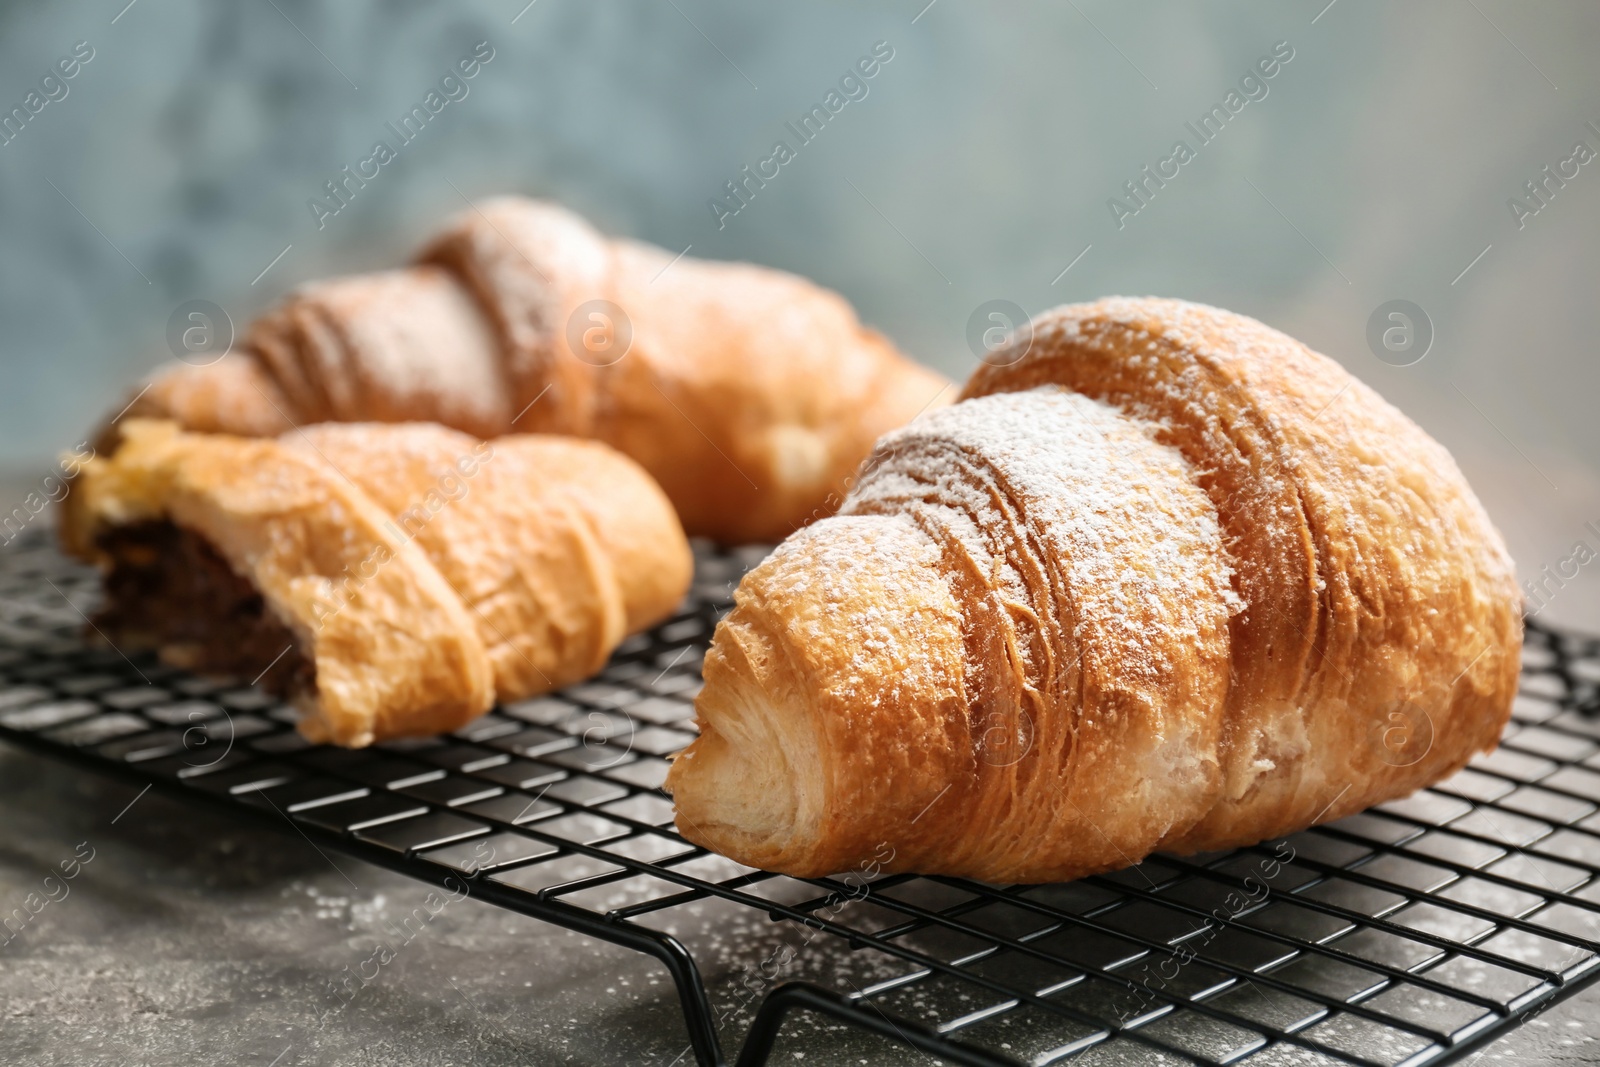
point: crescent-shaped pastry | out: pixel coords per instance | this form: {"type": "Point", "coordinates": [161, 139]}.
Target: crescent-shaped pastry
{"type": "Point", "coordinates": [388, 579]}
{"type": "Point", "coordinates": [1164, 578]}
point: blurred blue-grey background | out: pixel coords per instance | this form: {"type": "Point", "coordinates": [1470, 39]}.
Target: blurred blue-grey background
{"type": "Point", "coordinates": [178, 161]}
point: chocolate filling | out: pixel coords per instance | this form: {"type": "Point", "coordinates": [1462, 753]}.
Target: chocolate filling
{"type": "Point", "coordinates": [169, 589]}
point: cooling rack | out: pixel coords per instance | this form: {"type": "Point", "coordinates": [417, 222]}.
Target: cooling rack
{"type": "Point", "coordinates": [1409, 934]}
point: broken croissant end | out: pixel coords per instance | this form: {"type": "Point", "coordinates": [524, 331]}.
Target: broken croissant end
{"type": "Point", "coordinates": [388, 580]}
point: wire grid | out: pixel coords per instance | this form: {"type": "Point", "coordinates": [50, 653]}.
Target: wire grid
{"type": "Point", "coordinates": [1408, 934]}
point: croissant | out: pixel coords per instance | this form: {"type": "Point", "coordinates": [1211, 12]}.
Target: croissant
{"type": "Point", "coordinates": [1163, 579]}
{"type": "Point", "coordinates": [388, 579]}
{"type": "Point", "coordinates": [749, 394]}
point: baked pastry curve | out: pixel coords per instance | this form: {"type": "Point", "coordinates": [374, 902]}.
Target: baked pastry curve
{"type": "Point", "coordinates": [749, 394]}
{"type": "Point", "coordinates": [388, 579]}
{"type": "Point", "coordinates": [1163, 579]}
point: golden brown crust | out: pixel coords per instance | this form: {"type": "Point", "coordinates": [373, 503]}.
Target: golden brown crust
{"type": "Point", "coordinates": [630, 517]}
{"type": "Point", "coordinates": [749, 394]}
{"type": "Point", "coordinates": [232, 395]}
{"type": "Point", "coordinates": [557, 548]}
{"type": "Point", "coordinates": [1237, 592]}
{"type": "Point", "coordinates": [1374, 584]}
{"type": "Point", "coordinates": [394, 346]}
{"type": "Point", "coordinates": [530, 264]}
{"type": "Point", "coordinates": [423, 571]}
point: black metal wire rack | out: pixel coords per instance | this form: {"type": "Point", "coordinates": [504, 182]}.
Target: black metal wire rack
{"type": "Point", "coordinates": [1409, 934]}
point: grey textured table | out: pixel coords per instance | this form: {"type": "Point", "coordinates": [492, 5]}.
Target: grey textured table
{"type": "Point", "coordinates": [191, 937]}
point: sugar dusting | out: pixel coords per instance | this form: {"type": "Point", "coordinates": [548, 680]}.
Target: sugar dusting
{"type": "Point", "coordinates": [1079, 482]}
{"type": "Point", "coordinates": [832, 564]}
